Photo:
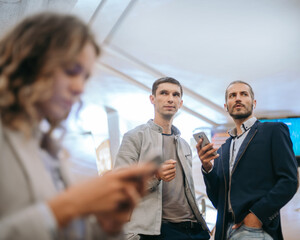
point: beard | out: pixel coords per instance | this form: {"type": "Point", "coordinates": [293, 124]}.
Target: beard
{"type": "Point", "coordinates": [241, 115]}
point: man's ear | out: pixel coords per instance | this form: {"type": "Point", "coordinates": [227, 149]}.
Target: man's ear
{"type": "Point", "coordinates": [254, 104]}
{"type": "Point", "coordinates": [181, 103]}
{"type": "Point", "coordinates": [152, 98]}
{"type": "Point", "coordinates": [225, 107]}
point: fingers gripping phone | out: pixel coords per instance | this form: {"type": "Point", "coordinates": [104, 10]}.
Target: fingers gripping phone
{"type": "Point", "coordinates": [205, 140]}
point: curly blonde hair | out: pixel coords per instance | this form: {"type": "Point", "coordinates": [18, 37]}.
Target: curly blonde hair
{"type": "Point", "coordinates": [29, 53]}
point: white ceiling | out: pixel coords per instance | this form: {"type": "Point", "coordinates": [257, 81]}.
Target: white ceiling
{"type": "Point", "coordinates": [206, 45]}
{"type": "Point", "coordinates": [203, 44]}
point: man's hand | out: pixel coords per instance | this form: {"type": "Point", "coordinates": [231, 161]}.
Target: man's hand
{"type": "Point", "coordinates": [206, 155]}
{"type": "Point", "coordinates": [249, 221]}
{"type": "Point", "coordinates": [167, 171]}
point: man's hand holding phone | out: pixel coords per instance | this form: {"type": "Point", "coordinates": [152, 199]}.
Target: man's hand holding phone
{"type": "Point", "coordinates": [206, 151]}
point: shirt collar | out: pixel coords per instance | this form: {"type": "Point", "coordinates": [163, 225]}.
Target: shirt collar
{"type": "Point", "coordinates": [245, 127]}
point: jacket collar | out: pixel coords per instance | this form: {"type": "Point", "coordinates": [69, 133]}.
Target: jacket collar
{"type": "Point", "coordinates": [226, 149]}
{"type": "Point", "coordinates": [246, 142]}
{"type": "Point", "coordinates": [245, 127]}
{"type": "Point", "coordinates": [159, 129]}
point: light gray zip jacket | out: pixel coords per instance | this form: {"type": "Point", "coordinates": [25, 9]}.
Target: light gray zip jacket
{"type": "Point", "coordinates": [140, 145]}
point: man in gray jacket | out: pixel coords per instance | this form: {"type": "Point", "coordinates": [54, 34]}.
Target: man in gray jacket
{"type": "Point", "coordinates": [170, 210]}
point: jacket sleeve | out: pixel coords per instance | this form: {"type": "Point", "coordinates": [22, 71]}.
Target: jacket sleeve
{"type": "Point", "coordinates": [33, 222]}
{"type": "Point", "coordinates": [211, 180]}
{"type": "Point", "coordinates": [285, 168]}
{"type": "Point", "coordinates": [94, 231]}
{"type": "Point", "coordinates": [37, 222]}
{"type": "Point", "coordinates": [129, 154]}
{"type": "Point", "coordinates": [129, 151]}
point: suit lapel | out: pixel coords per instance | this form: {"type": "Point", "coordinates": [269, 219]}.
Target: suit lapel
{"type": "Point", "coordinates": [249, 137]}
{"type": "Point", "coordinates": [225, 156]}
{"type": "Point", "coordinates": [27, 153]}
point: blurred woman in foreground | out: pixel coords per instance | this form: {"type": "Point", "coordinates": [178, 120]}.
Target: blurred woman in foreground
{"type": "Point", "coordinates": [45, 62]}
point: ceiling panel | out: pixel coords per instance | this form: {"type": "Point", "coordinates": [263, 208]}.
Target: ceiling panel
{"type": "Point", "coordinates": [207, 44]}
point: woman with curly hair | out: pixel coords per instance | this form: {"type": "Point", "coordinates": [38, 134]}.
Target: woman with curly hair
{"type": "Point", "coordinates": [45, 62]}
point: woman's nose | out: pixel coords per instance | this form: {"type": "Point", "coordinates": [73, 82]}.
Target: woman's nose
{"type": "Point", "coordinates": [77, 85]}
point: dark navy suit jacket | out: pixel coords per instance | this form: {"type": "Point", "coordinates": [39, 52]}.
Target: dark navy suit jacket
{"type": "Point", "coordinates": [264, 178]}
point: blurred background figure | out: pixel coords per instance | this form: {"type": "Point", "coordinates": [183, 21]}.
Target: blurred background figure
{"type": "Point", "coordinates": [45, 62]}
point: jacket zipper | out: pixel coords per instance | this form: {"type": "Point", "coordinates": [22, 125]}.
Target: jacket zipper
{"type": "Point", "coordinates": [203, 223]}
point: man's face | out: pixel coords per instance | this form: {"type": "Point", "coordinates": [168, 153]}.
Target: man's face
{"type": "Point", "coordinates": [239, 101]}
{"type": "Point", "coordinates": [167, 100]}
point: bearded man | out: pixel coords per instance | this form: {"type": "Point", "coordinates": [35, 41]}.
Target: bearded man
{"type": "Point", "coordinates": [254, 173]}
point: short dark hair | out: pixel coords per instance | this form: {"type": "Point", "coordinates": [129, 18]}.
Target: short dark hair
{"type": "Point", "coordinates": [242, 82]}
{"type": "Point", "coordinates": [165, 80]}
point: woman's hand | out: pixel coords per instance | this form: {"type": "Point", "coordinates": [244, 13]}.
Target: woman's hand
{"type": "Point", "coordinates": [117, 191]}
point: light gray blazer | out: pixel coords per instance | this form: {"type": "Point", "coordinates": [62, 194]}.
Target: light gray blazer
{"type": "Point", "coordinates": [141, 145]}
{"type": "Point", "coordinates": [25, 185]}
